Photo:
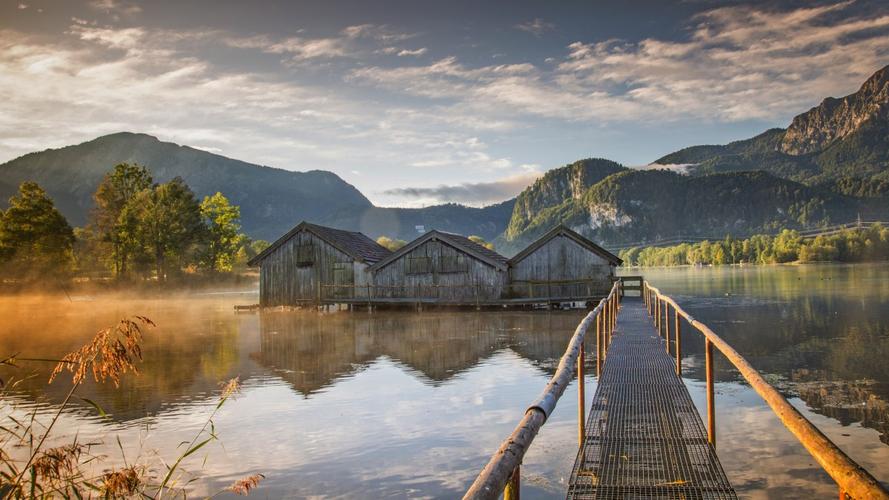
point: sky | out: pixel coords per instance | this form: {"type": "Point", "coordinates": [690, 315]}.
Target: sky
{"type": "Point", "coordinates": [418, 102]}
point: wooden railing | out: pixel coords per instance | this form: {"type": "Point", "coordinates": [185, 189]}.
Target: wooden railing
{"type": "Point", "coordinates": [852, 479]}
{"type": "Point", "coordinates": [503, 472]}
{"type": "Point", "coordinates": [469, 292]}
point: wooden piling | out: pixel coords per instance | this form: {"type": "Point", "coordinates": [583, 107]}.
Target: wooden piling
{"type": "Point", "coordinates": [711, 402]}
{"type": "Point", "coordinates": [514, 486]}
{"type": "Point", "coordinates": [678, 344]}
{"type": "Point", "coordinates": [581, 396]}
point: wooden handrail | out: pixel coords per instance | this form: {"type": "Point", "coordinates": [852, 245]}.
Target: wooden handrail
{"type": "Point", "coordinates": [852, 479]}
{"type": "Point", "coordinates": [504, 465]}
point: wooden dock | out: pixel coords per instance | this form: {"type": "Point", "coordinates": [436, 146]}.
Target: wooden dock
{"type": "Point", "coordinates": [644, 438]}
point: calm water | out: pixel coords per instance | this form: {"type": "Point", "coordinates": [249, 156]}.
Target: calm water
{"type": "Point", "coordinates": [399, 404]}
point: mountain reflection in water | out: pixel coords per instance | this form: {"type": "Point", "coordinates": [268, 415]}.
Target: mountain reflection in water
{"type": "Point", "coordinates": [410, 404]}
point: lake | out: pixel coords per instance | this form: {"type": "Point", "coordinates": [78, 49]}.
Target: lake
{"type": "Point", "coordinates": [406, 404]}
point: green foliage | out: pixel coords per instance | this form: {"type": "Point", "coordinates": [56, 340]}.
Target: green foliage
{"type": "Point", "coordinates": [481, 241]}
{"type": "Point", "coordinates": [114, 193]}
{"type": "Point", "coordinates": [390, 244]}
{"type": "Point", "coordinates": [164, 223]}
{"type": "Point", "coordinates": [852, 245]}
{"type": "Point", "coordinates": [223, 233]}
{"type": "Point", "coordinates": [35, 238]}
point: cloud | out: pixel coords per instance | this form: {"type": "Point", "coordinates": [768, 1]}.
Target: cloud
{"type": "Point", "coordinates": [381, 33]}
{"type": "Point", "coordinates": [116, 7]}
{"type": "Point", "coordinates": [417, 52]}
{"type": "Point", "coordinates": [737, 63]}
{"type": "Point", "coordinates": [351, 43]}
{"type": "Point", "coordinates": [22, 6]}
{"type": "Point", "coordinates": [470, 193]}
{"type": "Point", "coordinates": [537, 27]}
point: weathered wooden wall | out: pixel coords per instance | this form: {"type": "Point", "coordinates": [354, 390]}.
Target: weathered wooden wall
{"type": "Point", "coordinates": [283, 282]}
{"type": "Point", "coordinates": [480, 280]}
{"type": "Point", "coordinates": [560, 259]}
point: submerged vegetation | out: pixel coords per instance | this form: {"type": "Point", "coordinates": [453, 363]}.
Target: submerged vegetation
{"type": "Point", "coordinates": [29, 468]}
{"type": "Point", "coordinates": [138, 230]}
{"type": "Point", "coordinates": [852, 245]}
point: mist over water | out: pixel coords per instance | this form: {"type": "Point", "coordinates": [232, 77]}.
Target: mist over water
{"type": "Point", "coordinates": [409, 404]}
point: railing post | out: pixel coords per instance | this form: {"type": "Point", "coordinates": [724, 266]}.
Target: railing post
{"type": "Point", "coordinates": [711, 403]}
{"type": "Point", "coordinates": [667, 326]}
{"type": "Point", "coordinates": [599, 349]}
{"type": "Point", "coordinates": [514, 485]}
{"type": "Point", "coordinates": [678, 344]}
{"type": "Point", "coordinates": [581, 397]}
{"type": "Point", "coordinates": [657, 312]}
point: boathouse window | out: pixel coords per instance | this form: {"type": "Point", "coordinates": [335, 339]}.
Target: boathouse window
{"type": "Point", "coordinates": [418, 265]}
{"type": "Point", "coordinates": [305, 255]}
{"type": "Point", "coordinates": [452, 264]}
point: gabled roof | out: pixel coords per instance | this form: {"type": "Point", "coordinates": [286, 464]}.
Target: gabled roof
{"type": "Point", "coordinates": [352, 243]}
{"type": "Point", "coordinates": [457, 241]}
{"type": "Point", "coordinates": [562, 230]}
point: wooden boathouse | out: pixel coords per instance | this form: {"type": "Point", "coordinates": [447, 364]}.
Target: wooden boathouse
{"type": "Point", "coordinates": [294, 269]}
{"type": "Point", "coordinates": [443, 268]}
{"type": "Point", "coordinates": [562, 264]}
{"type": "Point", "coordinates": [316, 265]}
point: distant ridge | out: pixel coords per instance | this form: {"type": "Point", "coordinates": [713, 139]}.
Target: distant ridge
{"type": "Point", "coordinates": [272, 200]}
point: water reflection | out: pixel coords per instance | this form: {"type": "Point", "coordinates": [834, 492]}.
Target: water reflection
{"type": "Point", "coordinates": [312, 351]}
{"type": "Point", "coordinates": [411, 404]}
{"type": "Point", "coordinates": [819, 332]}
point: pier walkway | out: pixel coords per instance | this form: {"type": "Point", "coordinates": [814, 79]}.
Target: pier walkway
{"type": "Point", "coordinates": [644, 438]}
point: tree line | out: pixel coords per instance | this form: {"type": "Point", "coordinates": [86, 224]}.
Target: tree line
{"type": "Point", "coordinates": [138, 229]}
{"type": "Point", "coordinates": [866, 244]}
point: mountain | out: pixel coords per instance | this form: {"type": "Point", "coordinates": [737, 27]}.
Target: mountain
{"type": "Point", "coordinates": [272, 200]}
{"type": "Point", "coordinates": [487, 222]}
{"type": "Point", "coordinates": [553, 188]}
{"type": "Point", "coordinates": [840, 138]}
{"type": "Point", "coordinates": [647, 205]}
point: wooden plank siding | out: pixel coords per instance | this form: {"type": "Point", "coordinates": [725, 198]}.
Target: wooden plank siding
{"type": "Point", "coordinates": [560, 259]}
{"type": "Point", "coordinates": [478, 282]}
{"type": "Point", "coordinates": [283, 281]}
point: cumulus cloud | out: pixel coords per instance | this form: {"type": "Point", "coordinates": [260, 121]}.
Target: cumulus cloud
{"type": "Point", "coordinates": [738, 63]}
{"type": "Point", "coordinates": [469, 193]}
{"type": "Point", "coordinates": [536, 27]}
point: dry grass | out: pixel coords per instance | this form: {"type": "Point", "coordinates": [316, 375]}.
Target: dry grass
{"type": "Point", "coordinates": [243, 486]}
{"type": "Point", "coordinates": [61, 472]}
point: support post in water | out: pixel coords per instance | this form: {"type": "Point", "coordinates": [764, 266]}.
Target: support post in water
{"type": "Point", "coordinates": [678, 344]}
{"type": "Point", "coordinates": [711, 403]}
{"type": "Point", "coordinates": [599, 350]}
{"type": "Point", "coordinates": [657, 313]}
{"type": "Point", "coordinates": [512, 487]}
{"type": "Point", "coordinates": [667, 326]}
{"type": "Point", "coordinates": [581, 397]}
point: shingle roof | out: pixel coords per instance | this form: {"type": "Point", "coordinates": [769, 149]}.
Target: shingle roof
{"type": "Point", "coordinates": [472, 247]}
{"type": "Point", "coordinates": [355, 244]}
{"type": "Point", "coordinates": [566, 231]}
{"type": "Point", "coordinates": [459, 242]}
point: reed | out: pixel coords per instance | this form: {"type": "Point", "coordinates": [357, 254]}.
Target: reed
{"type": "Point", "coordinates": [66, 471]}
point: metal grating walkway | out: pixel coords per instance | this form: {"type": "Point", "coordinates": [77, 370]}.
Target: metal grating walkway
{"type": "Point", "coordinates": [644, 437]}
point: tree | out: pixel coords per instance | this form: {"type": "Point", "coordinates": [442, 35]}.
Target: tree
{"type": "Point", "coordinates": [481, 241]}
{"type": "Point", "coordinates": [34, 236]}
{"type": "Point", "coordinates": [165, 222]}
{"type": "Point", "coordinates": [223, 236]}
{"type": "Point", "coordinates": [390, 244]}
{"type": "Point", "coordinates": [114, 193]}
